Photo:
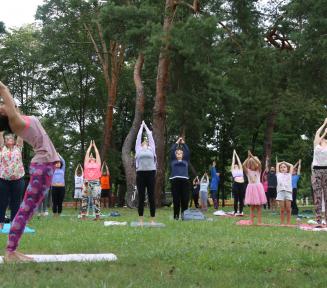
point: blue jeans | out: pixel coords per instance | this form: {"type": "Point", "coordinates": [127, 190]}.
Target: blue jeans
{"type": "Point", "coordinates": [215, 198]}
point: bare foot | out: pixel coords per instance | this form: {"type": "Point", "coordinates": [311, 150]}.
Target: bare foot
{"type": "Point", "coordinates": [16, 257]}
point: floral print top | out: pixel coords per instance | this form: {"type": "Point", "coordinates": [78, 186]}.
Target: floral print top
{"type": "Point", "coordinates": [11, 164]}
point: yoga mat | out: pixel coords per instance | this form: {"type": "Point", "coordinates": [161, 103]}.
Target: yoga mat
{"type": "Point", "coordinates": [226, 214]}
{"type": "Point", "coordinates": [147, 224]}
{"type": "Point", "coordinates": [248, 223]}
{"type": "Point", "coordinates": [314, 228]}
{"type": "Point", "coordinates": [6, 228]}
{"type": "Point", "coordinates": [72, 258]}
{"type": "Point", "coordinates": [114, 223]}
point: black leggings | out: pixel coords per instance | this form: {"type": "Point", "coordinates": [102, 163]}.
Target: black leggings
{"type": "Point", "coordinates": [146, 179]}
{"type": "Point", "coordinates": [58, 195]}
{"type": "Point", "coordinates": [180, 191]}
{"type": "Point", "coordinates": [238, 194]}
{"type": "Point", "coordinates": [10, 193]}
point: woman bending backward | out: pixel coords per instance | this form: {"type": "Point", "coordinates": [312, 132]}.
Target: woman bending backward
{"type": "Point", "coordinates": [42, 167]}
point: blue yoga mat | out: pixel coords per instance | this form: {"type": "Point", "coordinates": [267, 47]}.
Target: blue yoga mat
{"type": "Point", "coordinates": [6, 228]}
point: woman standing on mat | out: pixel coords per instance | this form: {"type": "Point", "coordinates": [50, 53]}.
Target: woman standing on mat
{"type": "Point", "coordinates": [295, 180]}
{"type": "Point", "coordinates": [214, 185]}
{"type": "Point", "coordinates": [146, 166]}
{"type": "Point", "coordinates": [254, 194]}
{"type": "Point", "coordinates": [78, 180]}
{"type": "Point", "coordinates": [105, 185]}
{"type": "Point", "coordinates": [180, 157]}
{"type": "Point", "coordinates": [42, 167]}
{"type": "Point", "coordinates": [238, 188]}
{"type": "Point", "coordinates": [284, 190]}
{"type": "Point", "coordinates": [319, 171]}
{"type": "Point", "coordinates": [204, 191]}
{"type": "Point", "coordinates": [92, 187]}
{"type": "Point", "coordinates": [11, 175]}
{"type": "Point", "coordinates": [58, 187]}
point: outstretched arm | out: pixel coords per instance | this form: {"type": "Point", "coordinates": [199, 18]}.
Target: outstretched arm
{"type": "Point", "coordinates": [2, 140]}
{"type": "Point", "coordinates": [63, 163]}
{"type": "Point", "coordinates": [150, 137]}
{"type": "Point", "coordinates": [239, 163]}
{"type": "Point", "coordinates": [233, 161]}
{"type": "Point", "coordinates": [97, 154]}
{"type": "Point", "coordinates": [19, 142]}
{"type": "Point", "coordinates": [87, 155]}
{"type": "Point", "coordinates": [186, 154]}
{"type": "Point", "coordinates": [138, 142]}
{"type": "Point", "coordinates": [299, 167]}
{"type": "Point", "coordinates": [16, 121]}
{"type": "Point", "coordinates": [318, 136]}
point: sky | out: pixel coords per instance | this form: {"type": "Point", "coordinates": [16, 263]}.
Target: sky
{"type": "Point", "coordinates": [15, 13]}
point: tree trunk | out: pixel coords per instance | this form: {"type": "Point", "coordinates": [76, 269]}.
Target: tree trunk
{"type": "Point", "coordinates": [159, 109]}
{"type": "Point", "coordinates": [127, 155]}
{"type": "Point", "coordinates": [267, 148]}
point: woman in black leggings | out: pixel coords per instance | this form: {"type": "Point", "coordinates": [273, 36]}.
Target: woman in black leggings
{"type": "Point", "coordinates": [238, 188]}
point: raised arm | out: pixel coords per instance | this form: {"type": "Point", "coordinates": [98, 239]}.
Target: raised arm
{"type": "Point", "coordinates": [150, 137]}
{"type": "Point", "coordinates": [318, 136]}
{"type": "Point", "coordinates": [17, 123]}
{"type": "Point", "coordinates": [233, 161]}
{"type": "Point", "coordinates": [138, 142]}
{"type": "Point", "coordinates": [186, 154]}
{"type": "Point", "coordinates": [239, 163]}
{"type": "Point", "coordinates": [299, 167]}
{"type": "Point", "coordinates": [19, 142]}
{"type": "Point", "coordinates": [97, 154]}
{"type": "Point", "coordinates": [77, 167]}
{"type": "Point", "coordinates": [63, 163]}
{"type": "Point", "coordinates": [172, 152]}
{"type": "Point", "coordinates": [2, 140]}
{"type": "Point", "coordinates": [87, 155]}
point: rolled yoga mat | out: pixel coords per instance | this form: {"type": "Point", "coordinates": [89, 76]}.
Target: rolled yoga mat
{"type": "Point", "coordinates": [71, 258]}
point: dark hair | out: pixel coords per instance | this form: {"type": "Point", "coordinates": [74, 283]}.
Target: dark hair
{"type": "Point", "coordinates": [4, 124]}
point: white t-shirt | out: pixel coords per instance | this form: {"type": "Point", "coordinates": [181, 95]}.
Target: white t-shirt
{"type": "Point", "coordinates": [284, 182]}
{"type": "Point", "coordinates": [204, 186]}
{"type": "Point", "coordinates": [78, 182]}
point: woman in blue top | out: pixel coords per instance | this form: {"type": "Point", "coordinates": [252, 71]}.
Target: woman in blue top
{"type": "Point", "coordinates": [58, 187]}
{"type": "Point", "coordinates": [180, 157]}
{"type": "Point", "coordinates": [295, 179]}
{"type": "Point", "coordinates": [214, 184]}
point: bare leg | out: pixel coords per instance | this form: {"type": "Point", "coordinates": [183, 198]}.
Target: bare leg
{"type": "Point", "coordinates": [141, 220]}
{"type": "Point", "coordinates": [288, 211]}
{"type": "Point", "coordinates": [259, 214]}
{"type": "Point", "coordinates": [282, 210]}
{"type": "Point", "coordinates": [252, 214]}
{"type": "Point", "coordinates": [152, 221]}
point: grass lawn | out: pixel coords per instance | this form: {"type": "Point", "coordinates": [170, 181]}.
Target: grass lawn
{"type": "Point", "coordinates": [214, 253]}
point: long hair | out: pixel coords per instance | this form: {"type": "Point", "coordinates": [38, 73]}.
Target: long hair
{"type": "Point", "coordinates": [4, 124]}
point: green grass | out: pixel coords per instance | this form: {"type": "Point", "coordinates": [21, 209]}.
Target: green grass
{"type": "Point", "coordinates": [214, 253]}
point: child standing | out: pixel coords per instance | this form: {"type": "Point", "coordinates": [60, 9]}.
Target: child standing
{"type": "Point", "coordinates": [204, 183]}
{"type": "Point", "coordinates": [42, 167]}
{"type": "Point", "coordinates": [284, 190]}
{"type": "Point", "coordinates": [196, 191]}
{"type": "Point", "coordinates": [254, 194]}
{"type": "Point", "coordinates": [79, 179]}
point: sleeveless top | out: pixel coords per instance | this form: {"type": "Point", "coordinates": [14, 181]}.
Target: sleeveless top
{"type": "Point", "coordinates": [78, 182]}
{"type": "Point", "coordinates": [320, 156]}
{"type": "Point", "coordinates": [105, 182]}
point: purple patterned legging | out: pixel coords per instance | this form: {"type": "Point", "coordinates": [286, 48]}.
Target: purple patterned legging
{"type": "Point", "coordinates": [40, 181]}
